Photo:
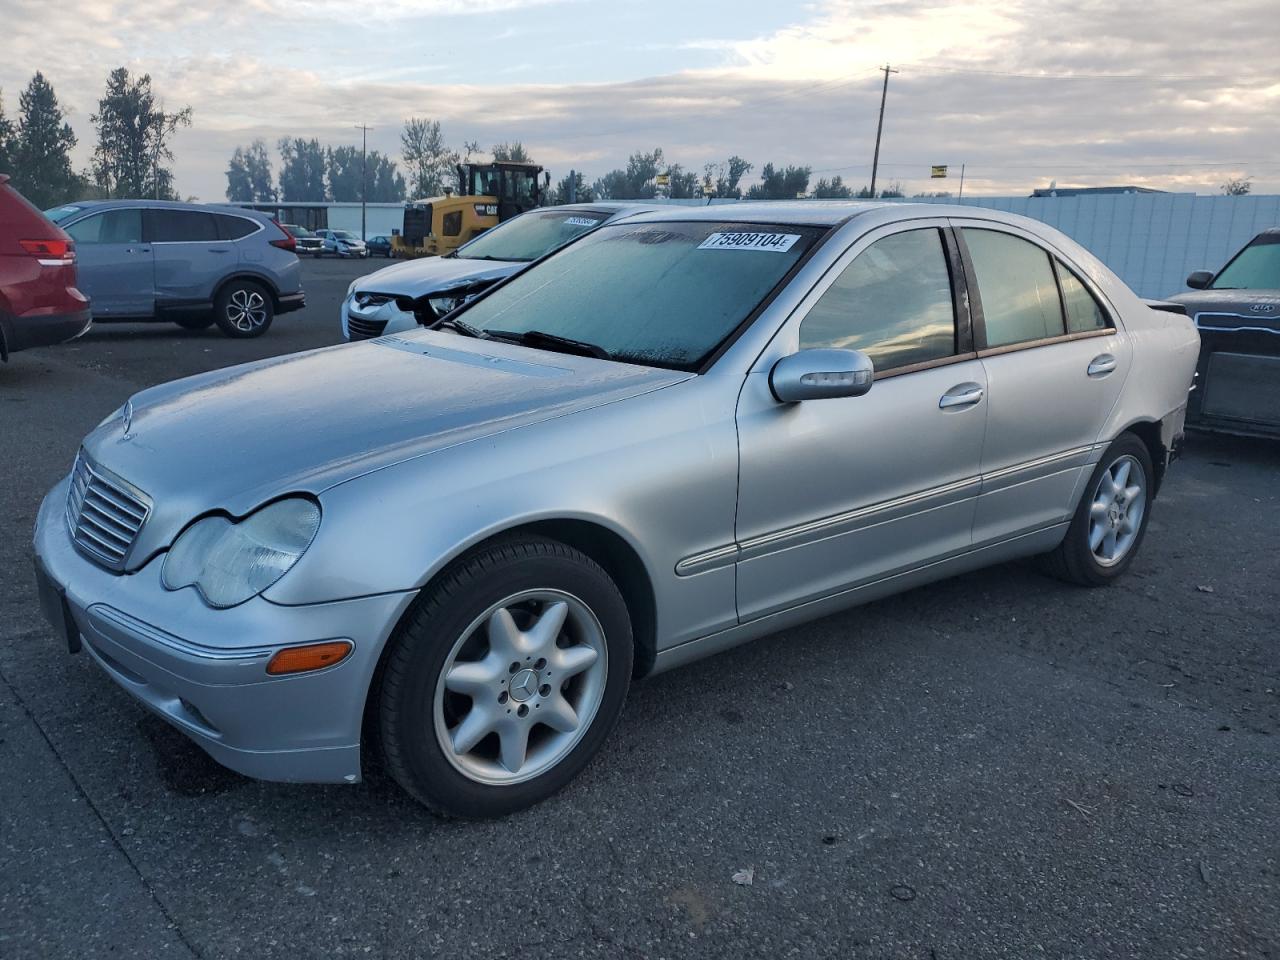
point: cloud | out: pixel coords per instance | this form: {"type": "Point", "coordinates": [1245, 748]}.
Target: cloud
{"type": "Point", "coordinates": [1020, 91]}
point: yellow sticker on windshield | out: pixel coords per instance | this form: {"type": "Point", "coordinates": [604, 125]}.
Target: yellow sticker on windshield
{"type": "Point", "coordinates": [772, 242]}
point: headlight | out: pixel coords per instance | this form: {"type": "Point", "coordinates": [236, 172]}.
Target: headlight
{"type": "Point", "coordinates": [230, 562]}
{"type": "Point", "coordinates": [443, 305]}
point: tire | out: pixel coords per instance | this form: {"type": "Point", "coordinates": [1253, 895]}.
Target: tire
{"type": "Point", "coordinates": [1106, 531]}
{"type": "Point", "coordinates": [526, 595]}
{"type": "Point", "coordinates": [243, 309]}
{"type": "Point", "coordinates": [194, 321]}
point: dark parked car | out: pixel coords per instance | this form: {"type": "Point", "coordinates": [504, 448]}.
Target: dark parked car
{"type": "Point", "coordinates": [192, 264]}
{"type": "Point", "coordinates": [306, 243]}
{"type": "Point", "coordinates": [1238, 313]}
{"type": "Point", "coordinates": [379, 246]}
{"type": "Point", "coordinates": [39, 302]}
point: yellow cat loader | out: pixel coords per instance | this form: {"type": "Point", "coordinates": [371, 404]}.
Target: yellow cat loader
{"type": "Point", "coordinates": [488, 193]}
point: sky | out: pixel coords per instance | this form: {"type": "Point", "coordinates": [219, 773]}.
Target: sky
{"type": "Point", "coordinates": [1171, 95]}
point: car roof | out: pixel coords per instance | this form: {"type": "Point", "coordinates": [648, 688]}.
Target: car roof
{"type": "Point", "coordinates": [169, 205]}
{"type": "Point", "coordinates": [818, 213]}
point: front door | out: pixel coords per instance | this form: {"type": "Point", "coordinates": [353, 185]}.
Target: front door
{"type": "Point", "coordinates": [1055, 362]}
{"type": "Point", "coordinates": [838, 492]}
{"type": "Point", "coordinates": [115, 269]}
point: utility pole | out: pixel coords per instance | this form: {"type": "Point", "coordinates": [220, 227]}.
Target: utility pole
{"type": "Point", "coordinates": [875, 160]}
{"type": "Point", "coordinates": [961, 197]}
{"type": "Point", "coordinates": [364, 173]}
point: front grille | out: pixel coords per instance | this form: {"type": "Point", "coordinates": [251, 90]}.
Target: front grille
{"type": "Point", "coordinates": [360, 329]}
{"type": "Point", "coordinates": [104, 513]}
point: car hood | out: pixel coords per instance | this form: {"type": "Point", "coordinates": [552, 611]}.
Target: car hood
{"type": "Point", "coordinates": [1252, 308]}
{"type": "Point", "coordinates": [417, 278]}
{"type": "Point", "coordinates": [232, 439]}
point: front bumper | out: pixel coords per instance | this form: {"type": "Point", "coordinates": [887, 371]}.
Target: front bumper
{"type": "Point", "coordinates": [368, 323]}
{"type": "Point", "coordinates": [204, 670]}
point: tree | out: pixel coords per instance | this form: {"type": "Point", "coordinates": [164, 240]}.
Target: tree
{"type": "Point", "coordinates": [636, 182]}
{"type": "Point", "coordinates": [785, 184]}
{"type": "Point", "coordinates": [430, 162]}
{"type": "Point", "coordinates": [42, 146]}
{"type": "Point", "coordinates": [8, 139]}
{"type": "Point", "coordinates": [513, 152]}
{"type": "Point", "coordinates": [345, 173]}
{"type": "Point", "coordinates": [133, 139]}
{"type": "Point", "coordinates": [249, 175]}
{"type": "Point", "coordinates": [1237, 186]}
{"type": "Point", "coordinates": [893, 190]}
{"type": "Point", "coordinates": [933, 193]}
{"type": "Point", "coordinates": [385, 183]}
{"type": "Point", "coordinates": [560, 192]}
{"type": "Point", "coordinates": [833, 189]}
{"type": "Point", "coordinates": [722, 179]}
{"type": "Point", "coordinates": [302, 169]}
{"type": "Point", "coordinates": [681, 183]}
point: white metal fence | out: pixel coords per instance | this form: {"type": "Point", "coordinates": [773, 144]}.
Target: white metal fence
{"type": "Point", "coordinates": [1151, 240]}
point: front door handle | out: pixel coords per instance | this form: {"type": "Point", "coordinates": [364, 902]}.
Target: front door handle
{"type": "Point", "coordinates": [962, 395]}
{"type": "Point", "coordinates": [1101, 365]}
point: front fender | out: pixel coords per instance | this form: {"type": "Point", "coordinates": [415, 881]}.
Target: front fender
{"type": "Point", "coordinates": [658, 471]}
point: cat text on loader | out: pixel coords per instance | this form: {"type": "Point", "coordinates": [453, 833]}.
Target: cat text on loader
{"type": "Point", "coordinates": [488, 193]}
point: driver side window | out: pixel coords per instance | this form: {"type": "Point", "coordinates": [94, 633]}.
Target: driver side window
{"type": "Point", "coordinates": [893, 302]}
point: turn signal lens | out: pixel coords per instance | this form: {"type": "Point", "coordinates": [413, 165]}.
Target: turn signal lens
{"type": "Point", "coordinates": [314, 656]}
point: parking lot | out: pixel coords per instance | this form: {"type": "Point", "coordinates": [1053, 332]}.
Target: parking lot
{"type": "Point", "coordinates": [999, 765]}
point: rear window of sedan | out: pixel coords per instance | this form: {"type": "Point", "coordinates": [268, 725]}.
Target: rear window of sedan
{"type": "Point", "coordinates": [661, 294]}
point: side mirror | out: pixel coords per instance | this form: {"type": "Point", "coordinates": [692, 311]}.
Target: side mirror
{"type": "Point", "coordinates": [1200, 280]}
{"type": "Point", "coordinates": [821, 374]}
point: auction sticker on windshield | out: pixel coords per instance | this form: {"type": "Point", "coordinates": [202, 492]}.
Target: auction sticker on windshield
{"type": "Point", "coordinates": [773, 242]}
{"type": "Point", "coordinates": [580, 221]}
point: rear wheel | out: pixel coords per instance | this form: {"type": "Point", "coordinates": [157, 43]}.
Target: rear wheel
{"type": "Point", "coordinates": [1111, 520]}
{"type": "Point", "coordinates": [243, 309]}
{"type": "Point", "coordinates": [506, 679]}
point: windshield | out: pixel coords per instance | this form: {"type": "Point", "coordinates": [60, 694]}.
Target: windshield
{"type": "Point", "coordinates": [530, 236]}
{"type": "Point", "coordinates": [58, 214]}
{"type": "Point", "coordinates": [661, 294]}
{"type": "Point", "coordinates": [1256, 267]}
{"type": "Point", "coordinates": [297, 231]}
{"type": "Point", "coordinates": [344, 235]}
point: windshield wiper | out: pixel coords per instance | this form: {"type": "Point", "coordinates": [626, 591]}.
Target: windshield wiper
{"type": "Point", "coordinates": [464, 328]}
{"type": "Point", "coordinates": [540, 338]}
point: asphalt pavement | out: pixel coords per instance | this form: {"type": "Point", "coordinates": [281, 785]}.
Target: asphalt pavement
{"type": "Point", "coordinates": [999, 765]}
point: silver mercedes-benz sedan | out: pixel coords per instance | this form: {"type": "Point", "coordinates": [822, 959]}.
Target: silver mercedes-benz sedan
{"type": "Point", "coordinates": [677, 433]}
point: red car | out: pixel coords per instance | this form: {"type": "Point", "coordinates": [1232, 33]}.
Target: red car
{"type": "Point", "coordinates": [39, 302]}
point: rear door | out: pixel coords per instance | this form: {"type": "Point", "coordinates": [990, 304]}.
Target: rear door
{"type": "Point", "coordinates": [115, 267]}
{"type": "Point", "coordinates": [1055, 361]}
{"type": "Point", "coordinates": [190, 255]}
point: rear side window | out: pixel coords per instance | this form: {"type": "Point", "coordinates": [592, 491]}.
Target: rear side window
{"type": "Point", "coordinates": [893, 303]}
{"type": "Point", "coordinates": [1084, 313]}
{"type": "Point", "coordinates": [180, 226]}
{"type": "Point", "coordinates": [232, 227]}
{"type": "Point", "coordinates": [110, 226]}
{"type": "Point", "coordinates": [1020, 302]}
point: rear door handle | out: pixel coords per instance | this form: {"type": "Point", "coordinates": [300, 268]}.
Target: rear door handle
{"type": "Point", "coordinates": [962, 395]}
{"type": "Point", "coordinates": [1101, 365]}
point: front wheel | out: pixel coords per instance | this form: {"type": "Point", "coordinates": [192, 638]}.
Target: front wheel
{"type": "Point", "coordinates": [1111, 520]}
{"type": "Point", "coordinates": [243, 309]}
{"type": "Point", "coordinates": [505, 679]}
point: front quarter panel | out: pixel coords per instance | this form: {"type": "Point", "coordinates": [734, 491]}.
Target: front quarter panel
{"type": "Point", "coordinates": [659, 470]}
